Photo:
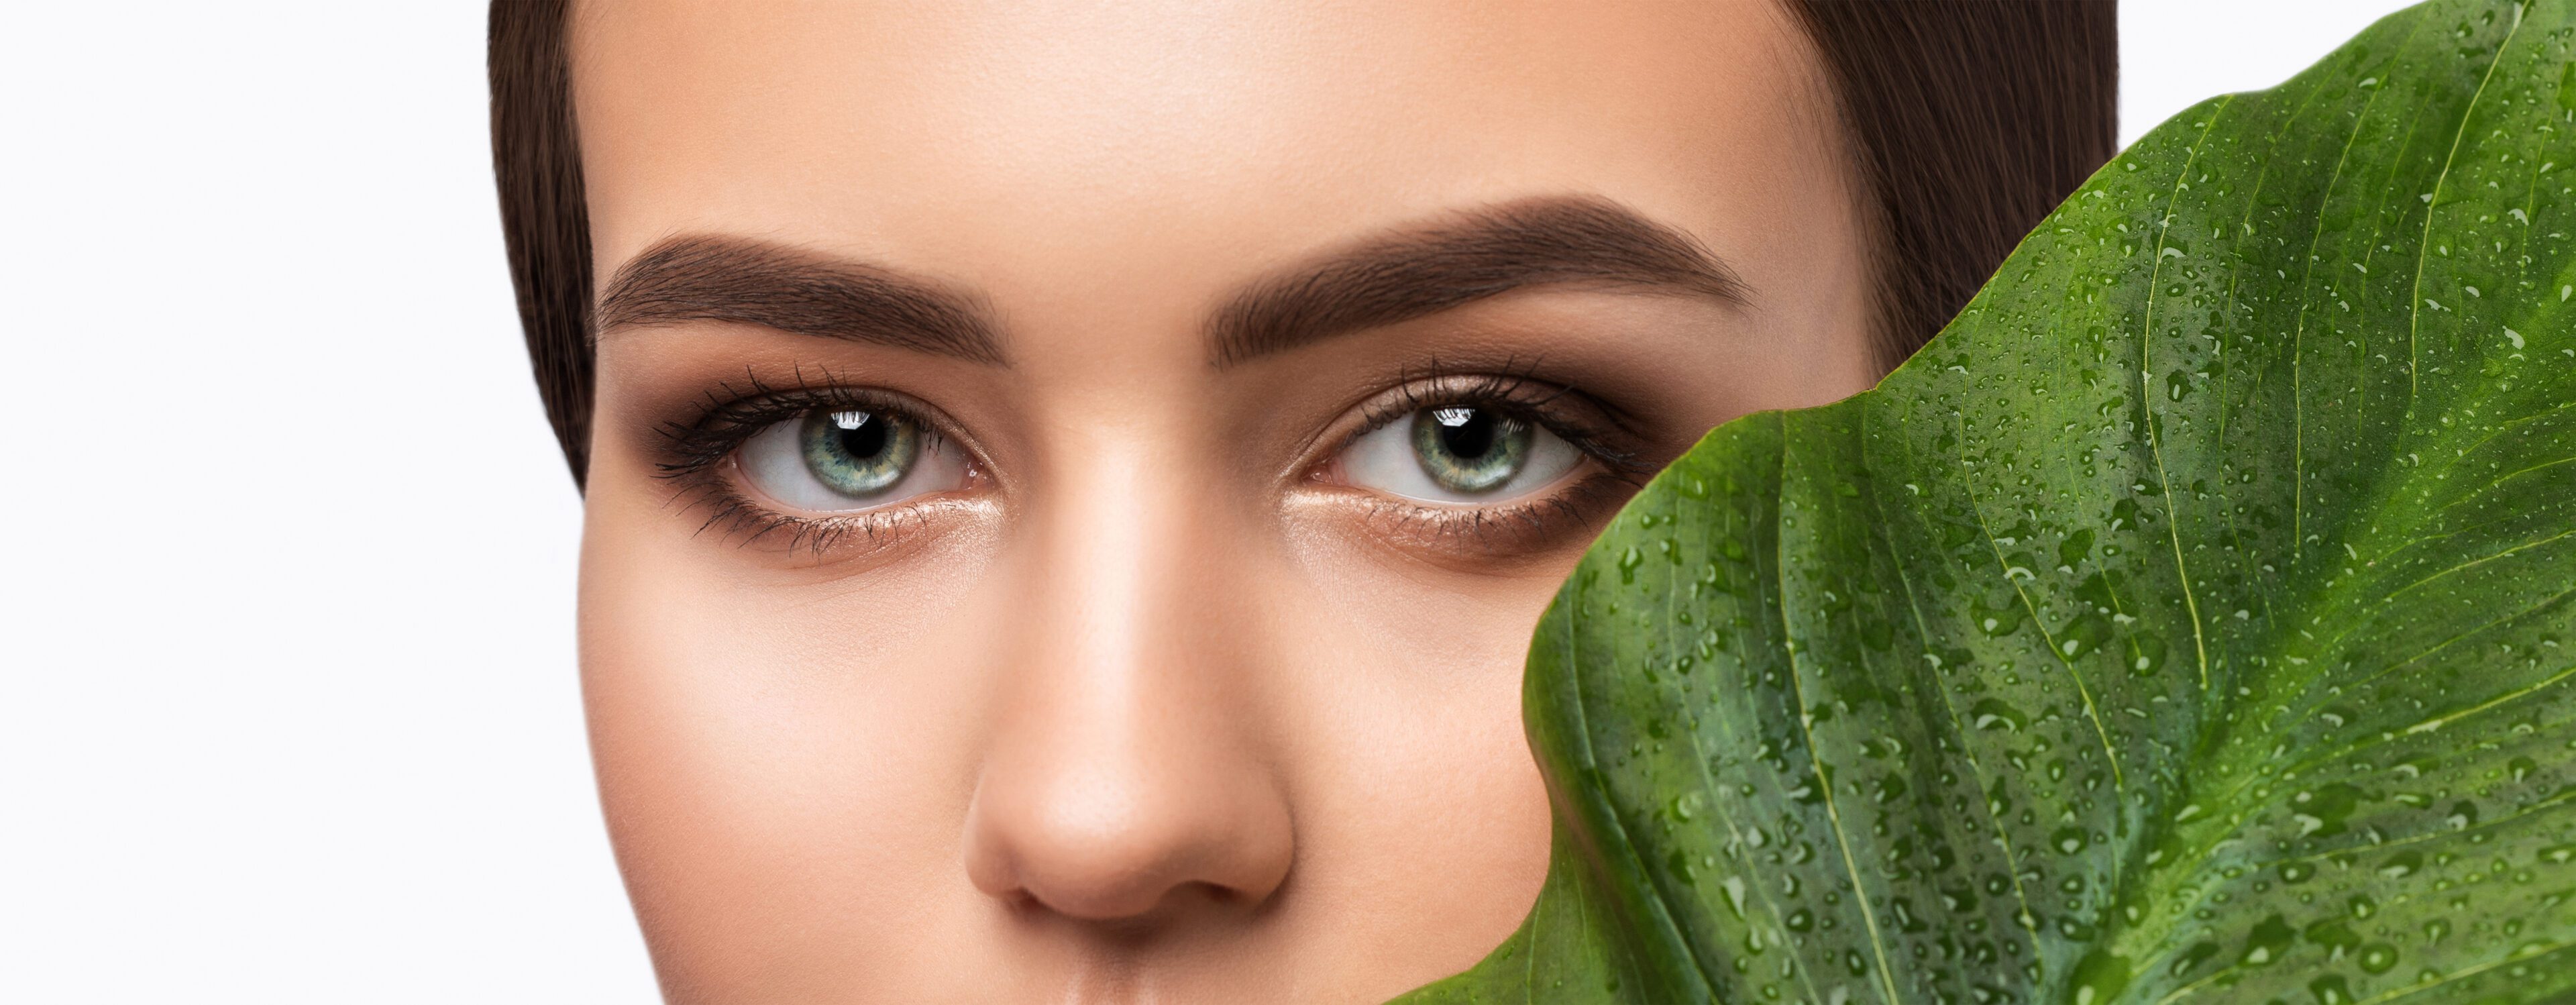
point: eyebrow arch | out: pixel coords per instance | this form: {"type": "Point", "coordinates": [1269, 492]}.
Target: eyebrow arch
{"type": "Point", "coordinates": [698, 277]}
{"type": "Point", "coordinates": [1428, 268]}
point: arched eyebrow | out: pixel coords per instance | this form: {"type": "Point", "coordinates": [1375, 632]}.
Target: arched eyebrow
{"type": "Point", "coordinates": [1426, 269]}
{"type": "Point", "coordinates": [1396, 276]}
{"type": "Point", "coordinates": [699, 277]}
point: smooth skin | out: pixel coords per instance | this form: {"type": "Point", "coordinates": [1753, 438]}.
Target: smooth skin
{"type": "Point", "coordinates": [1161, 702]}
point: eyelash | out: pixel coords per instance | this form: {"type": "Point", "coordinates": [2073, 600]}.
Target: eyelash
{"type": "Point", "coordinates": [698, 449]}
{"type": "Point", "coordinates": [1515, 390]}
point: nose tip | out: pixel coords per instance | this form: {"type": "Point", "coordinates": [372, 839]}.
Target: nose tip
{"type": "Point", "coordinates": [1109, 846]}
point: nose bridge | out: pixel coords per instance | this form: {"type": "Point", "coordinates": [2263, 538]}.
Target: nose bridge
{"type": "Point", "coordinates": [1115, 547]}
{"type": "Point", "coordinates": [1126, 764]}
{"type": "Point", "coordinates": [1120, 600]}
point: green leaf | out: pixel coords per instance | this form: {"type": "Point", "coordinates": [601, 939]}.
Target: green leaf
{"type": "Point", "coordinates": [2191, 621]}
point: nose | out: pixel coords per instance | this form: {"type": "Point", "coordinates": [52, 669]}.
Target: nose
{"type": "Point", "coordinates": [1125, 777]}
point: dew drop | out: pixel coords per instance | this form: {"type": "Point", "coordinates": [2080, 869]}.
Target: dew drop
{"type": "Point", "coordinates": [1993, 713]}
{"type": "Point", "coordinates": [2270, 938]}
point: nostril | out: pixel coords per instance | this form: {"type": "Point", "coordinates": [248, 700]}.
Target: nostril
{"type": "Point", "coordinates": [1086, 898]}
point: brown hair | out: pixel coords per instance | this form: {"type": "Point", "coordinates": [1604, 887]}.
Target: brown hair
{"type": "Point", "coordinates": [1971, 118]}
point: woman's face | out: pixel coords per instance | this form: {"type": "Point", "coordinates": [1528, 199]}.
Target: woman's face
{"type": "Point", "coordinates": [1071, 486]}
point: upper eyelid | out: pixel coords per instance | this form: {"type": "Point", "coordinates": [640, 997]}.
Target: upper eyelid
{"type": "Point", "coordinates": [722, 424]}
{"type": "Point", "coordinates": [1592, 438]}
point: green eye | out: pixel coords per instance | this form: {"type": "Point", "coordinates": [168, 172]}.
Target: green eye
{"type": "Point", "coordinates": [1470, 450]}
{"type": "Point", "coordinates": [847, 458]}
{"type": "Point", "coordinates": [858, 453]}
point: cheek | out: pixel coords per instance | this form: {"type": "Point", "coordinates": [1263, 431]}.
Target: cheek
{"type": "Point", "coordinates": [781, 779]}
{"type": "Point", "coordinates": [1422, 738]}
{"type": "Point", "coordinates": [788, 759]}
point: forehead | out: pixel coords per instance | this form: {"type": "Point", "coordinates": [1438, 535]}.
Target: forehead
{"type": "Point", "coordinates": [1098, 142]}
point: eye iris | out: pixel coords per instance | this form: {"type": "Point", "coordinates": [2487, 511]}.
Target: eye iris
{"type": "Point", "coordinates": [1467, 449]}
{"type": "Point", "coordinates": [858, 453]}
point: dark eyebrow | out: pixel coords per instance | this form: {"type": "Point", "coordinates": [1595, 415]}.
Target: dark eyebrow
{"type": "Point", "coordinates": [711, 278]}
{"type": "Point", "coordinates": [1427, 268]}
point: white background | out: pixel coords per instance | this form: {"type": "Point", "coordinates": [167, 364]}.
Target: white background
{"type": "Point", "coordinates": [287, 705]}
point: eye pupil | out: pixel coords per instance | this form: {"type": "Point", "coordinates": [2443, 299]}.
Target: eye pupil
{"type": "Point", "coordinates": [861, 438]}
{"type": "Point", "coordinates": [1466, 433]}
{"type": "Point", "coordinates": [1469, 449]}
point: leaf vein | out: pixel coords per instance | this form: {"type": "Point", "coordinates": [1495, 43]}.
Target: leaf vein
{"type": "Point", "coordinates": [1806, 728]}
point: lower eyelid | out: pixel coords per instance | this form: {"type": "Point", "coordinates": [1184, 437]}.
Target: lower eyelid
{"type": "Point", "coordinates": [1533, 525]}
{"type": "Point", "coordinates": [872, 534]}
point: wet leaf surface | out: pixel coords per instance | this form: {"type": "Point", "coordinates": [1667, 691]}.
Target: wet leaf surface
{"type": "Point", "coordinates": [2191, 621]}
